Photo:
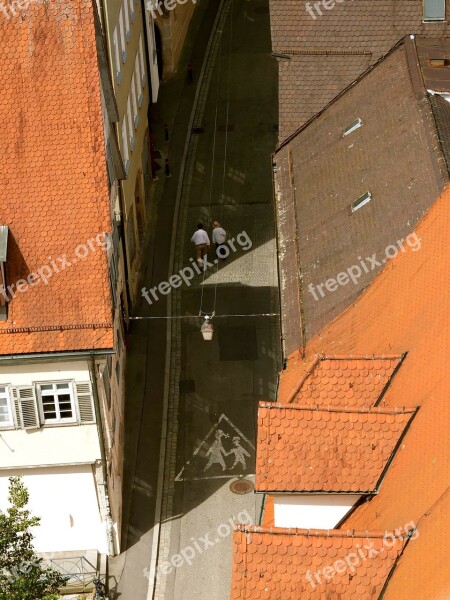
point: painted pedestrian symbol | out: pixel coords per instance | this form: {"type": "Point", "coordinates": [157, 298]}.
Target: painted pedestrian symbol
{"type": "Point", "coordinates": [239, 453]}
{"type": "Point", "coordinates": [217, 452]}
{"type": "Point", "coordinates": [223, 453]}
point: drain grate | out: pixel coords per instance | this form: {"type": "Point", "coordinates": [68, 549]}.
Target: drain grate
{"type": "Point", "coordinates": [241, 487]}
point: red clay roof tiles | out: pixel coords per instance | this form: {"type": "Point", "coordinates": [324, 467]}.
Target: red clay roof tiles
{"type": "Point", "coordinates": [54, 180]}
{"type": "Point", "coordinates": [406, 308]}
{"type": "Point", "coordinates": [304, 450]}
{"type": "Point", "coordinates": [344, 381]}
{"type": "Point", "coordinates": [278, 564]}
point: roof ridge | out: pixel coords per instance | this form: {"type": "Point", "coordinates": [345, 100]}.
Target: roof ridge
{"type": "Point", "coordinates": [337, 409]}
{"type": "Point", "coordinates": [327, 533]}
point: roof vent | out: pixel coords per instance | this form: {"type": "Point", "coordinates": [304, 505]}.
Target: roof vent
{"type": "Point", "coordinates": [353, 126]}
{"type": "Point", "coordinates": [362, 201]}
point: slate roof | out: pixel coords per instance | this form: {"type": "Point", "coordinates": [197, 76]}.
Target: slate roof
{"type": "Point", "coordinates": [271, 564]}
{"type": "Point", "coordinates": [329, 52]}
{"type": "Point", "coordinates": [54, 180]}
{"type": "Point", "coordinates": [406, 308]}
{"type": "Point", "coordinates": [395, 156]}
{"type": "Point", "coordinates": [305, 450]}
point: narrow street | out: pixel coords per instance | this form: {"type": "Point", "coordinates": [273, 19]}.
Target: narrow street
{"type": "Point", "coordinates": [191, 412]}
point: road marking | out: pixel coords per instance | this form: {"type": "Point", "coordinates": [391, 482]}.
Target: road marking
{"type": "Point", "coordinates": [216, 454]}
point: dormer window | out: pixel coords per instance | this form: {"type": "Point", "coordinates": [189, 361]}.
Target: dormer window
{"type": "Point", "coordinates": [3, 290]}
{"type": "Point", "coordinates": [434, 10]}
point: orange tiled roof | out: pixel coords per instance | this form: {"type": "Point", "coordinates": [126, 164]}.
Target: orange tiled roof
{"type": "Point", "coordinates": [279, 564]}
{"type": "Point", "coordinates": [54, 179]}
{"type": "Point", "coordinates": [407, 308]}
{"type": "Point", "coordinates": [325, 450]}
{"type": "Point", "coordinates": [343, 381]}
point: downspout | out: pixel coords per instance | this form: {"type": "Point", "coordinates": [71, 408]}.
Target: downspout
{"type": "Point", "coordinates": [98, 418]}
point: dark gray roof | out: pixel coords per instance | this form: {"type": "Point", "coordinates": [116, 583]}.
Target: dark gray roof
{"type": "Point", "coordinates": [395, 156]}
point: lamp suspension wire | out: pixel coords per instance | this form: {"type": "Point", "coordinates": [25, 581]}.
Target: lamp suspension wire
{"type": "Point", "coordinates": [225, 156]}
{"type": "Point", "coordinates": [211, 184]}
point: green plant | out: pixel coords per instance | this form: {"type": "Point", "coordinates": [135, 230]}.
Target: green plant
{"type": "Point", "coordinates": [22, 574]}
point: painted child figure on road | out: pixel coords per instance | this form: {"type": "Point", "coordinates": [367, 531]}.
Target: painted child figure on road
{"type": "Point", "coordinates": [239, 453]}
{"type": "Point", "coordinates": [217, 451]}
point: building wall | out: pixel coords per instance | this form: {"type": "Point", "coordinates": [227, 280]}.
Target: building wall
{"type": "Point", "coordinates": [174, 25]}
{"type": "Point", "coordinates": [65, 498]}
{"type": "Point", "coordinates": [312, 511]}
{"type": "Point", "coordinates": [127, 55]}
{"type": "Point", "coordinates": [64, 459]}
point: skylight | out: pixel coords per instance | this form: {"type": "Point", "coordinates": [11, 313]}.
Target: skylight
{"type": "Point", "coordinates": [353, 126]}
{"type": "Point", "coordinates": [362, 201]}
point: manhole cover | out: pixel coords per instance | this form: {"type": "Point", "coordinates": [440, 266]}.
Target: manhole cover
{"type": "Point", "coordinates": [242, 486]}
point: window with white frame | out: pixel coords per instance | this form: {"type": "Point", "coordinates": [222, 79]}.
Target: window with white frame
{"type": "Point", "coordinates": [130, 124]}
{"type": "Point", "coordinates": [117, 55]}
{"type": "Point", "coordinates": [141, 61]}
{"type": "Point", "coordinates": [134, 101]}
{"type": "Point", "coordinates": [57, 403]}
{"type": "Point", "coordinates": [137, 72]}
{"type": "Point", "coordinates": [125, 150]}
{"type": "Point", "coordinates": [6, 418]}
{"type": "Point", "coordinates": [122, 36]}
{"type": "Point", "coordinates": [127, 20]}
{"type": "Point", "coordinates": [434, 10]}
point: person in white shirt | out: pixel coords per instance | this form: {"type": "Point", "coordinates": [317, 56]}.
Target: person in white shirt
{"type": "Point", "coordinates": [202, 243]}
{"type": "Point", "coordinates": [219, 235]}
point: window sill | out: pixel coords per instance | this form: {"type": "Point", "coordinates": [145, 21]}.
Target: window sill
{"type": "Point", "coordinates": [60, 423]}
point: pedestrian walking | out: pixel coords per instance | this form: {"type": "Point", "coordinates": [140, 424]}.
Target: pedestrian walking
{"type": "Point", "coordinates": [219, 235]}
{"type": "Point", "coordinates": [202, 243]}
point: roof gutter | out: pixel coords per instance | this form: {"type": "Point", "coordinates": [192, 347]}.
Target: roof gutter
{"type": "Point", "coordinates": [39, 356]}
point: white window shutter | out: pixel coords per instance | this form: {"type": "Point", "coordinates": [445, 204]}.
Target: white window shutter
{"type": "Point", "coordinates": [85, 402]}
{"type": "Point", "coordinates": [25, 407]}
